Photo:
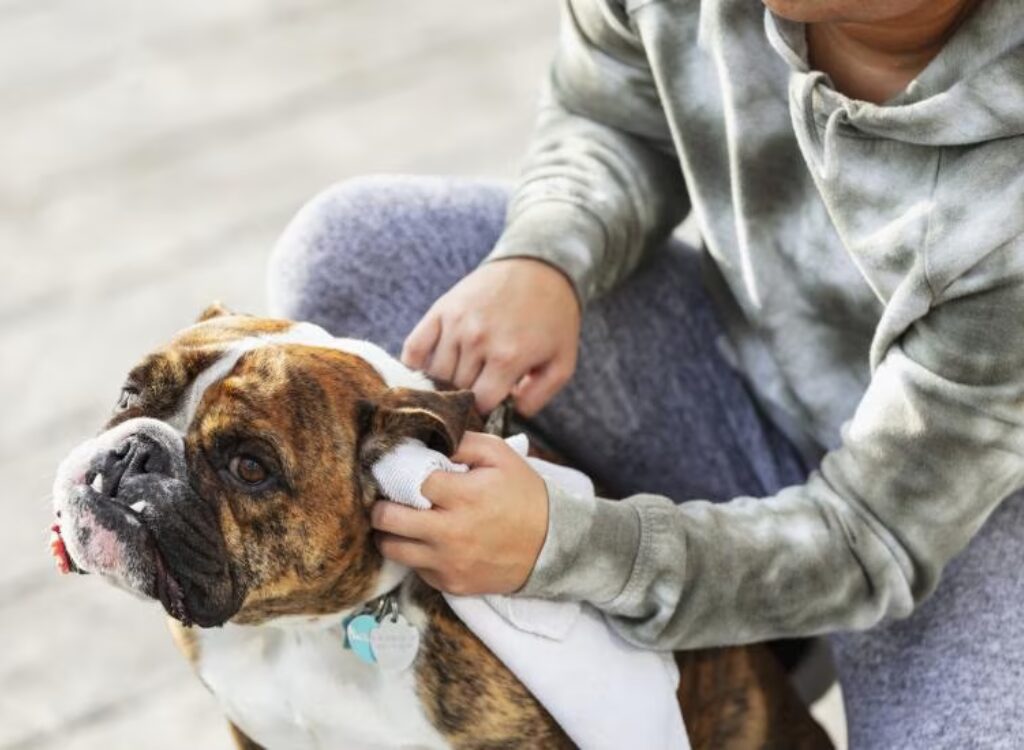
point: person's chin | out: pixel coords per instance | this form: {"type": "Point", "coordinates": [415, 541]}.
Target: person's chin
{"type": "Point", "coordinates": [804, 11]}
{"type": "Point", "coordinates": [861, 11]}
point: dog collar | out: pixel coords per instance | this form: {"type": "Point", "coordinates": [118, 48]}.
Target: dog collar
{"type": "Point", "coordinates": [379, 634]}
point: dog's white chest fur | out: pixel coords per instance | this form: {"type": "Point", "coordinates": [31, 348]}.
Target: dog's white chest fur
{"type": "Point", "coordinates": [298, 687]}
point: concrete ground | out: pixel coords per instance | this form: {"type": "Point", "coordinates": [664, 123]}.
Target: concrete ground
{"type": "Point", "coordinates": [149, 155]}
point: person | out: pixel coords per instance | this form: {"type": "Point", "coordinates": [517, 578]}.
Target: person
{"type": "Point", "coordinates": [830, 388]}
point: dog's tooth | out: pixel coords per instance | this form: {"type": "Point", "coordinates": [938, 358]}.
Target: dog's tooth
{"type": "Point", "coordinates": [97, 483]}
{"type": "Point", "coordinates": [140, 506]}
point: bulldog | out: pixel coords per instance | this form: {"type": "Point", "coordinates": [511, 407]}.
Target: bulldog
{"type": "Point", "coordinates": [232, 484]}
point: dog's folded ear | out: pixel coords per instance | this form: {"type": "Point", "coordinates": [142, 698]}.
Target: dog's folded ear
{"type": "Point", "coordinates": [213, 310]}
{"type": "Point", "coordinates": [438, 418]}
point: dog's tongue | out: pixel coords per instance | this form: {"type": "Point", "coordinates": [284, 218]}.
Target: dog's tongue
{"type": "Point", "coordinates": [60, 551]}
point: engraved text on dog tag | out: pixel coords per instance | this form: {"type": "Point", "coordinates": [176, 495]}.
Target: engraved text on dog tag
{"type": "Point", "coordinates": [395, 643]}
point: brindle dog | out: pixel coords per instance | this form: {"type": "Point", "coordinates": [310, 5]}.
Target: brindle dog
{"type": "Point", "coordinates": [232, 484]}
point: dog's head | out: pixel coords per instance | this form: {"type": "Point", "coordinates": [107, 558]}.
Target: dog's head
{"type": "Point", "coordinates": [232, 481]}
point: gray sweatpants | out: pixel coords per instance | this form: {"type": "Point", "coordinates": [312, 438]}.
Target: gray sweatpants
{"type": "Point", "coordinates": [654, 407]}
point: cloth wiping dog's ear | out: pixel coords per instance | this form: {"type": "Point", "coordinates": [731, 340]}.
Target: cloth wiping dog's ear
{"type": "Point", "coordinates": [438, 418]}
{"type": "Point", "coordinates": [213, 310]}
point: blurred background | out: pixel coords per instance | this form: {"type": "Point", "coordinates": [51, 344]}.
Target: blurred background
{"type": "Point", "coordinates": [150, 153]}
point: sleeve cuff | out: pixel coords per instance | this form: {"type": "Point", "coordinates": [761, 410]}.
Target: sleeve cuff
{"type": "Point", "coordinates": [590, 549]}
{"type": "Point", "coordinates": [561, 233]}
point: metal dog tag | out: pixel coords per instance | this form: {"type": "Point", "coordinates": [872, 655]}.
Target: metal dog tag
{"type": "Point", "coordinates": [395, 643]}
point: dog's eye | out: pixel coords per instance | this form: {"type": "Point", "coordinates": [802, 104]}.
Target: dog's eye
{"type": "Point", "coordinates": [128, 398]}
{"type": "Point", "coordinates": [248, 470]}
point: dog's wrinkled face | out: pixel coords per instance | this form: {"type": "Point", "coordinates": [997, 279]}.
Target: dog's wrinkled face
{"type": "Point", "coordinates": [233, 483]}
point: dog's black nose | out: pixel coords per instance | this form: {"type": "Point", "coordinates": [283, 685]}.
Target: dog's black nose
{"type": "Point", "coordinates": [138, 454]}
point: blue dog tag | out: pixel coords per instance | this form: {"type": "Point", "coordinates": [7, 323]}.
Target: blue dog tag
{"type": "Point", "coordinates": [358, 633]}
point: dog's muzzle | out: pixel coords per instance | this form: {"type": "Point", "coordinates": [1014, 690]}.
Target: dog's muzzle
{"type": "Point", "coordinates": [126, 509]}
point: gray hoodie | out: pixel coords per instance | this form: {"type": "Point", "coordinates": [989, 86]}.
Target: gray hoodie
{"type": "Point", "coordinates": [869, 261]}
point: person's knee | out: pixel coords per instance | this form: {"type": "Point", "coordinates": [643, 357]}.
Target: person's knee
{"type": "Point", "coordinates": [311, 254]}
{"type": "Point", "coordinates": [368, 256]}
{"type": "Point", "coordinates": [325, 247]}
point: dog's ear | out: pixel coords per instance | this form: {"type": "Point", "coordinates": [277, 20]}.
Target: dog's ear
{"type": "Point", "coordinates": [438, 418]}
{"type": "Point", "coordinates": [213, 310]}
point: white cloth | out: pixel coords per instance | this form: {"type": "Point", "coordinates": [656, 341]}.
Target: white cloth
{"type": "Point", "coordinates": [402, 471]}
{"type": "Point", "coordinates": [604, 692]}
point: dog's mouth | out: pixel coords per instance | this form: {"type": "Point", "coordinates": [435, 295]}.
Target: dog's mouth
{"type": "Point", "coordinates": [127, 510]}
{"type": "Point", "coordinates": [160, 584]}
{"type": "Point", "coordinates": [168, 590]}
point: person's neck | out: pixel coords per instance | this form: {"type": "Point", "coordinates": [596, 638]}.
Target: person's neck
{"type": "Point", "coordinates": [875, 61]}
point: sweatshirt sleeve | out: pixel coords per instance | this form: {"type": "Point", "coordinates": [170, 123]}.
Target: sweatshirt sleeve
{"type": "Point", "coordinates": [935, 444]}
{"type": "Point", "coordinates": [600, 183]}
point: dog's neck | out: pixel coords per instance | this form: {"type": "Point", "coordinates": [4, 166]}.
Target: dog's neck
{"type": "Point", "coordinates": [391, 579]}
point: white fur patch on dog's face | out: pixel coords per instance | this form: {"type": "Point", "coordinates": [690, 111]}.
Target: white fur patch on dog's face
{"type": "Point", "coordinates": [392, 371]}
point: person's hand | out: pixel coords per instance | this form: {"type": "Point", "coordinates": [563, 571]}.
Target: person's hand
{"type": "Point", "coordinates": [486, 528]}
{"type": "Point", "coordinates": [510, 326]}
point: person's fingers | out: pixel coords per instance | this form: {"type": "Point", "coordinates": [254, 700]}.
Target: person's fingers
{"type": "Point", "coordinates": [494, 383]}
{"type": "Point", "coordinates": [402, 520]}
{"type": "Point", "coordinates": [420, 342]}
{"type": "Point", "coordinates": [479, 450]}
{"type": "Point", "coordinates": [468, 368]}
{"type": "Point", "coordinates": [444, 489]}
{"type": "Point", "coordinates": [540, 386]}
{"type": "Point", "coordinates": [407, 552]}
{"type": "Point", "coordinates": [445, 357]}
